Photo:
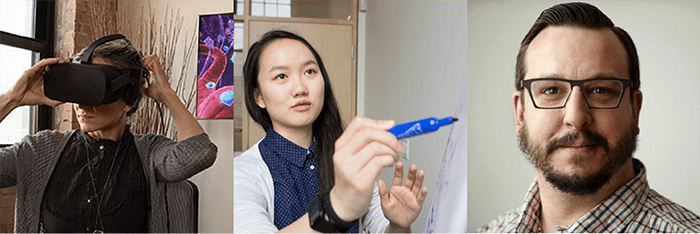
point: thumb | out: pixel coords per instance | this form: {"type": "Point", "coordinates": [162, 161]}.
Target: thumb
{"type": "Point", "coordinates": [385, 124]}
{"type": "Point", "coordinates": [51, 102]}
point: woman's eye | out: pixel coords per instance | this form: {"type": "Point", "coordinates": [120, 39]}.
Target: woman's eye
{"type": "Point", "coordinates": [280, 76]}
{"type": "Point", "coordinates": [309, 72]}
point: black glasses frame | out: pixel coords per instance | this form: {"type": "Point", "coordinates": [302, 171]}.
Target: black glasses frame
{"type": "Point", "coordinates": [573, 83]}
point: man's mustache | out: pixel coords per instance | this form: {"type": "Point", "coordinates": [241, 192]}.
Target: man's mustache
{"type": "Point", "coordinates": [589, 138]}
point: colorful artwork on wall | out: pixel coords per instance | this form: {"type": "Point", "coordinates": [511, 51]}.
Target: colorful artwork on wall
{"type": "Point", "coordinates": [215, 67]}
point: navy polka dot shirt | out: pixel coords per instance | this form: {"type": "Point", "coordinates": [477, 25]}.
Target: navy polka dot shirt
{"type": "Point", "coordinates": [293, 169]}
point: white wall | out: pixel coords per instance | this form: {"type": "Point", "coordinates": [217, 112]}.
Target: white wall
{"type": "Point", "coordinates": [216, 183]}
{"type": "Point", "coordinates": [667, 36]}
{"type": "Point", "coordinates": [415, 65]}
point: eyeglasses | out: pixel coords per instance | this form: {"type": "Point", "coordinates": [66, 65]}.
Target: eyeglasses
{"type": "Point", "coordinates": [553, 93]}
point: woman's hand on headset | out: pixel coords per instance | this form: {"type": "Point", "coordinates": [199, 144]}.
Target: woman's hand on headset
{"type": "Point", "coordinates": [159, 85]}
{"type": "Point", "coordinates": [160, 90]}
{"type": "Point", "coordinates": [29, 88]}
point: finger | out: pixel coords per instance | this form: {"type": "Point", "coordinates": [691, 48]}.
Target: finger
{"type": "Point", "coordinates": [45, 100]}
{"type": "Point", "coordinates": [372, 150]}
{"type": "Point", "coordinates": [423, 194]}
{"type": "Point", "coordinates": [411, 177]}
{"type": "Point", "coordinates": [366, 144]}
{"type": "Point", "coordinates": [383, 190]}
{"type": "Point", "coordinates": [376, 165]}
{"type": "Point", "coordinates": [368, 135]}
{"type": "Point", "coordinates": [154, 65]}
{"type": "Point", "coordinates": [148, 57]}
{"type": "Point", "coordinates": [38, 68]}
{"type": "Point", "coordinates": [51, 102]}
{"type": "Point", "coordinates": [358, 123]}
{"type": "Point", "coordinates": [419, 182]}
{"type": "Point", "coordinates": [398, 174]}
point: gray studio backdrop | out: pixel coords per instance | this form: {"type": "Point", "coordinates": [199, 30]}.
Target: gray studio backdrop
{"type": "Point", "coordinates": [667, 36]}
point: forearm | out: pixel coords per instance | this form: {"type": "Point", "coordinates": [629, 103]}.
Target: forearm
{"type": "Point", "coordinates": [7, 104]}
{"type": "Point", "coordinates": [301, 225]}
{"type": "Point", "coordinates": [392, 228]}
{"type": "Point", "coordinates": [187, 125]}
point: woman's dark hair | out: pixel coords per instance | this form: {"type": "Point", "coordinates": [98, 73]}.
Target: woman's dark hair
{"type": "Point", "coordinates": [123, 55]}
{"type": "Point", "coordinates": [328, 125]}
{"type": "Point", "coordinates": [580, 15]}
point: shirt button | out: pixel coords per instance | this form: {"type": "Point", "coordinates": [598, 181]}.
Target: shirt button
{"type": "Point", "coordinates": [312, 167]}
{"type": "Point", "coordinates": [88, 201]}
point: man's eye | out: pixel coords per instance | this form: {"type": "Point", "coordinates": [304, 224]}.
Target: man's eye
{"type": "Point", "coordinates": [600, 90]}
{"type": "Point", "coordinates": [551, 91]}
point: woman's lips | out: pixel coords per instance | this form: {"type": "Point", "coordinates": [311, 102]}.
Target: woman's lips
{"type": "Point", "coordinates": [302, 106]}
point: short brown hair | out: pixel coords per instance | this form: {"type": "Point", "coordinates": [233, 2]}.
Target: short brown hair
{"type": "Point", "coordinates": [581, 15]}
{"type": "Point", "coordinates": [123, 55]}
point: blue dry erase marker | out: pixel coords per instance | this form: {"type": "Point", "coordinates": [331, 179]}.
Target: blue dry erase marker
{"type": "Point", "coordinates": [419, 127]}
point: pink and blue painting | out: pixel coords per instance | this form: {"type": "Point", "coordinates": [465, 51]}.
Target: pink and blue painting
{"type": "Point", "coordinates": [215, 67]}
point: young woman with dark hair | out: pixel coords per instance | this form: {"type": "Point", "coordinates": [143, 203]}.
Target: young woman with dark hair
{"type": "Point", "coordinates": [308, 173]}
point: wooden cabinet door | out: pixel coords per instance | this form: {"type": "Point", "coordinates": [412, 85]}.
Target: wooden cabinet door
{"type": "Point", "coordinates": [335, 44]}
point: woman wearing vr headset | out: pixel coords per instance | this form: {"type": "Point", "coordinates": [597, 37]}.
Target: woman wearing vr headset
{"type": "Point", "coordinates": [101, 178]}
{"type": "Point", "coordinates": [308, 174]}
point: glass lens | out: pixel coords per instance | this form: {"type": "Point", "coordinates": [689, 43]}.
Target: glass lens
{"type": "Point", "coordinates": [550, 93]}
{"type": "Point", "coordinates": [603, 93]}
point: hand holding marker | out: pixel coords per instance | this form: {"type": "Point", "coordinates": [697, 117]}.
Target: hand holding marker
{"type": "Point", "coordinates": [419, 127]}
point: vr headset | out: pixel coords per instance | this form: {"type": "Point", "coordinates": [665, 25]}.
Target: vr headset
{"type": "Point", "coordinates": [92, 84]}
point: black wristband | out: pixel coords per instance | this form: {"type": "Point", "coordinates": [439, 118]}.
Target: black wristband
{"type": "Point", "coordinates": [318, 219]}
{"type": "Point", "coordinates": [342, 226]}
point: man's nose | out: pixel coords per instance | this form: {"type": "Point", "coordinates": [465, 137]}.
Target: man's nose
{"type": "Point", "coordinates": [577, 112]}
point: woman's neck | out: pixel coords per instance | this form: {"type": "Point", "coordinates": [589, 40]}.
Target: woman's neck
{"type": "Point", "coordinates": [301, 136]}
{"type": "Point", "coordinates": [113, 132]}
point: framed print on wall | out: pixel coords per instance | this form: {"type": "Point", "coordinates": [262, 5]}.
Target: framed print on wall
{"type": "Point", "coordinates": [215, 67]}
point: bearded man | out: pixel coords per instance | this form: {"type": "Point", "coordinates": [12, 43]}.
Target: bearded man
{"type": "Point", "coordinates": [577, 105]}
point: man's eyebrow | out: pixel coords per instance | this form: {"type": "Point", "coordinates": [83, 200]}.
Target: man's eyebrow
{"type": "Point", "coordinates": [552, 75]}
{"type": "Point", "coordinates": [596, 75]}
{"type": "Point", "coordinates": [606, 75]}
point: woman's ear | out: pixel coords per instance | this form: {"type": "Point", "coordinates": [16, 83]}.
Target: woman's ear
{"type": "Point", "coordinates": [258, 98]}
{"type": "Point", "coordinates": [127, 107]}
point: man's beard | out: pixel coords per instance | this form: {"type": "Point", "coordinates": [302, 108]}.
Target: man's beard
{"type": "Point", "coordinates": [579, 185]}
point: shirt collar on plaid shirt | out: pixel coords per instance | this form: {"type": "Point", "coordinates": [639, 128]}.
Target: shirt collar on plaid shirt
{"type": "Point", "coordinates": [612, 215]}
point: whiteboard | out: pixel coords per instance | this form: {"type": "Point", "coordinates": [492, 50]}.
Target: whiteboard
{"type": "Point", "coordinates": [448, 209]}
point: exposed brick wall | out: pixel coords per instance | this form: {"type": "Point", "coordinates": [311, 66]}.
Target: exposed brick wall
{"type": "Point", "coordinates": [63, 116]}
{"type": "Point", "coordinates": [79, 23]}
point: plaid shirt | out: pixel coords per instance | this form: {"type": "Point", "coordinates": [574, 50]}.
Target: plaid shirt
{"type": "Point", "coordinates": [634, 207]}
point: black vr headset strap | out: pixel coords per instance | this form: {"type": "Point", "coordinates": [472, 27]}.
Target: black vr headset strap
{"type": "Point", "coordinates": [121, 81]}
{"type": "Point", "coordinates": [86, 58]}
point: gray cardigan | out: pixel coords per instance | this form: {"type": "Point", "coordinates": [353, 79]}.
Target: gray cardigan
{"type": "Point", "coordinates": [29, 163]}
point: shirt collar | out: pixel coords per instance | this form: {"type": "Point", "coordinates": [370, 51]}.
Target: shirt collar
{"type": "Point", "coordinates": [612, 215]}
{"type": "Point", "coordinates": [126, 134]}
{"type": "Point", "coordinates": [286, 149]}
